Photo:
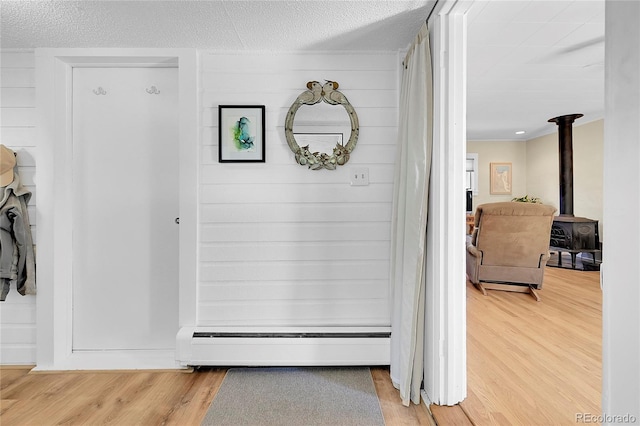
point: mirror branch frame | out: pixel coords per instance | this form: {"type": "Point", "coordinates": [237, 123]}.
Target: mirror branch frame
{"type": "Point", "coordinates": [314, 94]}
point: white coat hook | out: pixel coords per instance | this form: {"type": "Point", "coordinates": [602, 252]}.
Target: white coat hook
{"type": "Point", "coordinates": [99, 91]}
{"type": "Point", "coordinates": [153, 90]}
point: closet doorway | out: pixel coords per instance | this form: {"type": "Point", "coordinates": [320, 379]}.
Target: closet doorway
{"type": "Point", "coordinates": [125, 207]}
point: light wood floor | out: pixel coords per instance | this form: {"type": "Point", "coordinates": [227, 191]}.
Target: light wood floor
{"type": "Point", "coordinates": [142, 398]}
{"type": "Point", "coordinates": [528, 363]}
{"type": "Point", "coordinates": [533, 363]}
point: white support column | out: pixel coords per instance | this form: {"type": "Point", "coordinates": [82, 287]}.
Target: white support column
{"type": "Point", "coordinates": [620, 272]}
{"type": "Point", "coordinates": [445, 379]}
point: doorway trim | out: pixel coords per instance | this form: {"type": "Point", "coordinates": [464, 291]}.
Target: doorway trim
{"type": "Point", "coordinates": [54, 177]}
{"type": "Point", "coordinates": [445, 345]}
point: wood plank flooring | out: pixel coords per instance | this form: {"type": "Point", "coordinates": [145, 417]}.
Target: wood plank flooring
{"type": "Point", "coordinates": [529, 363]}
{"type": "Point", "coordinates": [143, 398]}
{"type": "Point", "coordinates": [533, 363]}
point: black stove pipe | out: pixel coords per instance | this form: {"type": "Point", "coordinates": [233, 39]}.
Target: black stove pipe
{"type": "Point", "coordinates": [565, 145]}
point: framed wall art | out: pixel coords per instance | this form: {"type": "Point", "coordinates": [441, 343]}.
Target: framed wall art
{"type": "Point", "coordinates": [500, 178]}
{"type": "Point", "coordinates": [241, 134]}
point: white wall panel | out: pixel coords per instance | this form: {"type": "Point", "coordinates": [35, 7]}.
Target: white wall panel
{"type": "Point", "coordinates": [17, 131]}
{"type": "Point", "coordinates": [297, 251]}
{"type": "Point", "coordinates": [280, 244]}
{"type": "Point", "coordinates": [23, 97]}
{"type": "Point", "coordinates": [370, 135]}
{"type": "Point", "coordinates": [19, 117]}
{"type": "Point", "coordinates": [375, 116]}
{"type": "Point", "coordinates": [278, 81]}
{"type": "Point", "coordinates": [17, 136]}
{"type": "Point", "coordinates": [280, 154]}
{"type": "Point", "coordinates": [18, 59]}
{"type": "Point", "coordinates": [311, 212]}
{"type": "Point", "coordinates": [314, 289]}
{"type": "Point", "coordinates": [314, 61]}
{"type": "Point", "coordinates": [318, 232]}
{"type": "Point", "coordinates": [16, 77]}
{"type": "Point", "coordinates": [251, 270]}
{"type": "Point", "coordinates": [295, 193]}
{"type": "Point", "coordinates": [357, 97]}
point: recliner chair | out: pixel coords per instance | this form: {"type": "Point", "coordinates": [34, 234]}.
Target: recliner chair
{"type": "Point", "coordinates": [509, 247]}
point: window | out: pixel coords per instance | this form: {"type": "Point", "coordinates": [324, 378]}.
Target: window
{"type": "Point", "coordinates": [472, 172]}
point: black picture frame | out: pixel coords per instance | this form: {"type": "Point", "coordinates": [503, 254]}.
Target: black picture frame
{"type": "Point", "coordinates": [241, 134]}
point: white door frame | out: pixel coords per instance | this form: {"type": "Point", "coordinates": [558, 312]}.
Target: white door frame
{"type": "Point", "coordinates": [54, 216]}
{"type": "Point", "coordinates": [445, 351]}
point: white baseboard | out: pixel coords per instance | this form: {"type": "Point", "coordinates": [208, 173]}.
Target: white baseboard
{"type": "Point", "coordinates": [117, 360]}
{"type": "Point", "coordinates": [313, 347]}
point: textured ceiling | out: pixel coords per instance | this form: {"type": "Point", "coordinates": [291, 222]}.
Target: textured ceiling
{"type": "Point", "coordinates": [220, 24]}
{"type": "Point", "coordinates": [528, 60]}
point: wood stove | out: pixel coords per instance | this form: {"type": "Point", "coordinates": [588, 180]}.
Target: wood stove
{"type": "Point", "coordinates": [569, 233]}
{"type": "Point", "coordinates": [574, 235]}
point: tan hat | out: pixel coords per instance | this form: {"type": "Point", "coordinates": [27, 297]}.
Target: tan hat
{"type": "Point", "coordinates": [7, 163]}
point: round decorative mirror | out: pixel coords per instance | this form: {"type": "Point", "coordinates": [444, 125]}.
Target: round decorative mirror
{"type": "Point", "coordinates": [305, 155]}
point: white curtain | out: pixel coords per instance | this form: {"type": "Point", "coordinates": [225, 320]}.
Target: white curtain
{"type": "Point", "coordinates": [409, 219]}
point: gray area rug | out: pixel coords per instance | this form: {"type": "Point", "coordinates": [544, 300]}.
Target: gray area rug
{"type": "Point", "coordinates": [296, 397]}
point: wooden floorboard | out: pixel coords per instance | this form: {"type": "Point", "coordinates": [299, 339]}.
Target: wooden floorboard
{"type": "Point", "coordinates": [392, 409]}
{"type": "Point", "coordinates": [144, 398]}
{"type": "Point", "coordinates": [79, 398]}
{"type": "Point", "coordinates": [529, 363]}
{"type": "Point", "coordinates": [454, 415]}
{"type": "Point", "coordinates": [533, 363]}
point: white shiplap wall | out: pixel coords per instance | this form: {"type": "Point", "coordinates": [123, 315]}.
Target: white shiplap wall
{"type": "Point", "coordinates": [17, 131]}
{"type": "Point", "coordinates": [281, 245]}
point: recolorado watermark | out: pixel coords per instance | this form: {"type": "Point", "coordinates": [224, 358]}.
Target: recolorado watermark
{"type": "Point", "coordinates": [605, 418]}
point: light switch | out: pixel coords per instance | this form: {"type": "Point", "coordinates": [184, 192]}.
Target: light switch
{"type": "Point", "coordinates": [359, 176]}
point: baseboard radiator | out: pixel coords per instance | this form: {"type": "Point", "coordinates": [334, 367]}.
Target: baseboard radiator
{"type": "Point", "coordinates": [206, 346]}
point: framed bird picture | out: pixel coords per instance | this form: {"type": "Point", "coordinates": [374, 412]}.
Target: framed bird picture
{"type": "Point", "coordinates": [241, 134]}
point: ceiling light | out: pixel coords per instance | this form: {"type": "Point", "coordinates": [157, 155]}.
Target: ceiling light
{"type": "Point", "coordinates": [520, 132]}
